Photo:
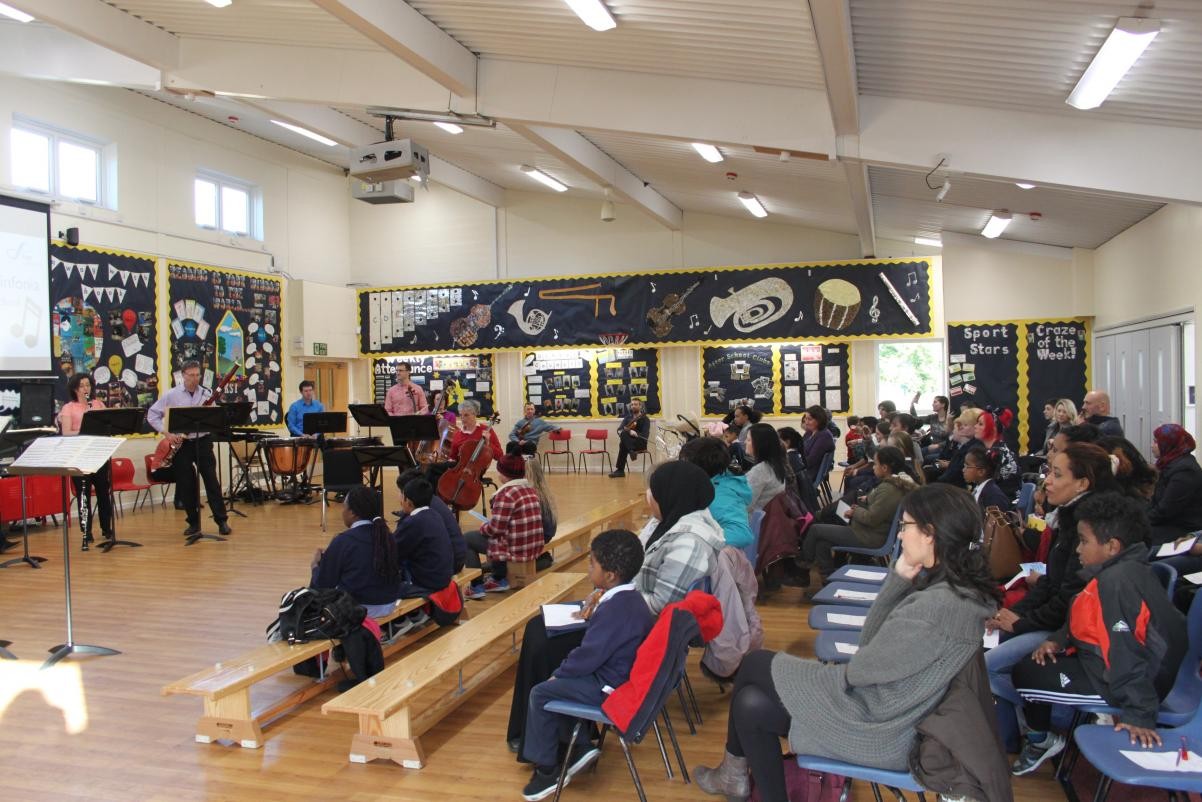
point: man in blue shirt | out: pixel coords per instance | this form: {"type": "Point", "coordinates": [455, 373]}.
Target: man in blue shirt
{"type": "Point", "coordinates": [526, 432]}
{"type": "Point", "coordinates": [295, 419]}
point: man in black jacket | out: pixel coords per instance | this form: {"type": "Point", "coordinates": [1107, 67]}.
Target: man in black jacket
{"type": "Point", "coordinates": [632, 436]}
{"type": "Point", "coordinates": [1122, 643]}
{"type": "Point", "coordinates": [1095, 409]}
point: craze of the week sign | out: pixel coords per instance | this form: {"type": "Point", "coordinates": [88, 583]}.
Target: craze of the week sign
{"type": "Point", "coordinates": [1055, 341]}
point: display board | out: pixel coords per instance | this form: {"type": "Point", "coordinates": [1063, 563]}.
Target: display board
{"type": "Point", "coordinates": [779, 379]}
{"type": "Point", "coordinates": [757, 303]}
{"type": "Point", "coordinates": [103, 323]}
{"type": "Point", "coordinates": [459, 376]}
{"type": "Point", "coordinates": [223, 318]}
{"type": "Point", "coordinates": [591, 382]}
{"type": "Point", "coordinates": [1017, 365]}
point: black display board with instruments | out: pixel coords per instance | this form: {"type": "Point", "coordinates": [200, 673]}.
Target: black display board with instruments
{"type": "Point", "coordinates": [756, 303]}
{"type": "Point", "coordinates": [735, 375]}
{"type": "Point", "coordinates": [458, 376]}
{"type": "Point", "coordinates": [223, 318]}
{"type": "Point", "coordinates": [983, 366]}
{"type": "Point", "coordinates": [814, 374]}
{"type": "Point", "coordinates": [103, 323]}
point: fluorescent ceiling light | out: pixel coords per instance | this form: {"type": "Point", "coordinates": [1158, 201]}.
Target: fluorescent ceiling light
{"type": "Point", "coordinates": [543, 178]}
{"type": "Point", "coordinates": [416, 178]}
{"type": "Point", "coordinates": [996, 225]}
{"type": "Point", "coordinates": [1022, 185]}
{"type": "Point", "coordinates": [12, 13]}
{"type": "Point", "coordinates": [219, 3]}
{"type": "Point", "coordinates": [243, 95]}
{"type": "Point", "coordinates": [1122, 48]}
{"type": "Point", "coordinates": [593, 13]}
{"type": "Point", "coordinates": [753, 204]}
{"type": "Point", "coordinates": [934, 243]}
{"type": "Point", "coordinates": [450, 128]}
{"type": "Point", "coordinates": [305, 132]}
{"type": "Point", "coordinates": [708, 152]}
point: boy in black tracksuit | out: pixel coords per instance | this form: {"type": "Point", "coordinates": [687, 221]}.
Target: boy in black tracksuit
{"type": "Point", "coordinates": [1122, 643]}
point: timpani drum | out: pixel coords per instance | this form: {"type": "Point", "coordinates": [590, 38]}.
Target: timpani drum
{"type": "Point", "coordinates": [288, 456]}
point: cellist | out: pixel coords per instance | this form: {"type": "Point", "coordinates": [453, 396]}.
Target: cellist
{"type": "Point", "coordinates": [471, 429]}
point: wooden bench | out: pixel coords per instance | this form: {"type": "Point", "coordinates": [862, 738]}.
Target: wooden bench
{"type": "Point", "coordinates": [410, 696]}
{"type": "Point", "coordinates": [573, 536]}
{"type": "Point", "coordinates": [225, 687]}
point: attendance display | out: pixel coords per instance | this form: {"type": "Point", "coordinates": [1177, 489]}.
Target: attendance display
{"type": "Point", "coordinates": [24, 288]}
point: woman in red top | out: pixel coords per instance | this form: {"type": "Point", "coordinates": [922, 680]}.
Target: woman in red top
{"type": "Point", "coordinates": [79, 391]}
{"type": "Point", "coordinates": [471, 429]}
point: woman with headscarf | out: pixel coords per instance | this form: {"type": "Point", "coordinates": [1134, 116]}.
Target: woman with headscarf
{"type": "Point", "coordinates": [682, 541]}
{"type": "Point", "coordinates": [1177, 501]}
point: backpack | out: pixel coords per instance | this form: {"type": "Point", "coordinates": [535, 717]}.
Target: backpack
{"type": "Point", "coordinates": [307, 614]}
{"type": "Point", "coordinates": [803, 785]}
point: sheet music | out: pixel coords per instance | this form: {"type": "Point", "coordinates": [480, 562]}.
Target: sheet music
{"type": "Point", "coordinates": [81, 454]}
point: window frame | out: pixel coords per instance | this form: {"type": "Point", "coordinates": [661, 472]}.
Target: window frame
{"type": "Point", "coordinates": [222, 181]}
{"type": "Point", "coordinates": [903, 404]}
{"type": "Point", "coordinates": [105, 154]}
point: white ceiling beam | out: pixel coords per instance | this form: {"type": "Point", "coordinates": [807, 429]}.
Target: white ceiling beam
{"type": "Point", "coordinates": [861, 205]}
{"type": "Point", "coordinates": [1077, 150]}
{"type": "Point", "coordinates": [588, 159]}
{"type": "Point", "coordinates": [465, 183]}
{"type": "Point", "coordinates": [417, 41]}
{"type": "Point", "coordinates": [44, 52]}
{"type": "Point", "coordinates": [108, 27]}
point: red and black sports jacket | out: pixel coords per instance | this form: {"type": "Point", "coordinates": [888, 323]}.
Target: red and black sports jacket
{"type": "Point", "coordinates": [1128, 635]}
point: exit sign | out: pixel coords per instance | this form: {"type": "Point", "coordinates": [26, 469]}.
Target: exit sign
{"type": "Point", "coordinates": [320, 349]}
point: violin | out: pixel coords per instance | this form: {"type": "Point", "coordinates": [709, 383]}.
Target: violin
{"type": "Point", "coordinates": [460, 486]}
{"type": "Point", "coordinates": [525, 430]}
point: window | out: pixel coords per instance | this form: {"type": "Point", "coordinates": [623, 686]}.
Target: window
{"type": "Point", "coordinates": [906, 368]}
{"type": "Point", "coordinates": [227, 204]}
{"type": "Point", "coordinates": [58, 163]}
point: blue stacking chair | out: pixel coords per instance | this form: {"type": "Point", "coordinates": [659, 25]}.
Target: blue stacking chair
{"type": "Point", "coordinates": [1100, 745]}
{"type": "Point", "coordinates": [822, 484]}
{"type": "Point", "coordinates": [830, 594]}
{"type": "Point", "coordinates": [755, 521]}
{"type": "Point", "coordinates": [653, 708]}
{"type": "Point", "coordinates": [897, 781]}
{"type": "Point", "coordinates": [1026, 500]}
{"type": "Point", "coordinates": [882, 556]}
{"type": "Point", "coordinates": [820, 617]}
{"type": "Point", "coordinates": [1167, 575]}
{"type": "Point", "coordinates": [826, 646]}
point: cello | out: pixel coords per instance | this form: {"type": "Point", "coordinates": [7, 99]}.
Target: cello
{"type": "Point", "coordinates": [428, 452]}
{"type": "Point", "coordinates": [460, 485]}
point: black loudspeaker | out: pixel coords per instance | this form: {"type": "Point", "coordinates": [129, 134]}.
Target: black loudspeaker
{"type": "Point", "coordinates": [37, 405]}
{"type": "Point", "coordinates": [72, 236]}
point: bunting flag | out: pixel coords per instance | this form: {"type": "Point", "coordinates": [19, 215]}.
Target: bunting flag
{"type": "Point", "coordinates": [85, 290]}
{"type": "Point", "coordinates": [120, 295]}
{"type": "Point", "coordinates": [93, 269]}
{"type": "Point", "coordinates": [55, 263]}
{"type": "Point", "coordinates": [112, 272]}
{"type": "Point", "coordinates": [108, 291]}
{"type": "Point", "coordinates": [124, 277]}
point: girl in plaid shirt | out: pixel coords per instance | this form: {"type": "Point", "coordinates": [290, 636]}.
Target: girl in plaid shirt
{"type": "Point", "coordinates": [515, 530]}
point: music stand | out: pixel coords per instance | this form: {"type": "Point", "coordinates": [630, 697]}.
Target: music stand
{"type": "Point", "coordinates": [199, 421]}
{"type": "Point", "coordinates": [15, 441]}
{"type": "Point", "coordinates": [323, 422]}
{"type": "Point", "coordinates": [237, 413]}
{"type": "Point", "coordinates": [376, 458]}
{"type": "Point", "coordinates": [370, 415]}
{"type": "Point", "coordinates": [110, 423]}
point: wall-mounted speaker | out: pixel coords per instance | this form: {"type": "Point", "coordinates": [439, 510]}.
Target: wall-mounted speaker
{"type": "Point", "coordinates": [72, 236]}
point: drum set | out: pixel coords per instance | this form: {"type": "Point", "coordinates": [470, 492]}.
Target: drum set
{"type": "Point", "coordinates": [291, 460]}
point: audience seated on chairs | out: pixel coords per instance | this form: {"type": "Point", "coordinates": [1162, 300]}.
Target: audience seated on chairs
{"type": "Point", "coordinates": [817, 440]}
{"type": "Point", "coordinates": [935, 464]}
{"type": "Point", "coordinates": [904, 442]}
{"type": "Point", "coordinates": [618, 620]}
{"type": "Point", "coordinates": [865, 524]}
{"type": "Point", "coordinates": [1121, 644]}
{"type": "Point", "coordinates": [681, 543]}
{"type": "Point", "coordinates": [1133, 471]}
{"type": "Point", "coordinates": [937, 426]}
{"type": "Point", "coordinates": [1177, 501]}
{"type": "Point", "coordinates": [1095, 409]}
{"type": "Point", "coordinates": [923, 628]}
{"type": "Point", "coordinates": [803, 482]}
{"type": "Point", "coordinates": [1077, 471]}
{"type": "Point", "coordinates": [515, 530]}
{"type": "Point", "coordinates": [980, 475]}
{"type": "Point", "coordinates": [525, 434]}
{"type": "Point", "coordinates": [437, 505]}
{"type": "Point", "coordinates": [990, 431]}
{"type": "Point", "coordinates": [732, 494]}
{"type": "Point", "coordinates": [423, 544]}
{"type": "Point", "coordinates": [735, 587]}
{"type": "Point", "coordinates": [966, 422]}
{"type": "Point", "coordinates": [363, 559]}
{"type": "Point", "coordinates": [770, 470]}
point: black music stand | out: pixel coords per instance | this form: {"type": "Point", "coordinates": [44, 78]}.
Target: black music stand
{"type": "Point", "coordinates": [197, 420]}
{"type": "Point", "coordinates": [111, 423]}
{"type": "Point", "coordinates": [237, 413]}
{"type": "Point", "coordinates": [14, 441]}
{"type": "Point", "coordinates": [370, 416]}
{"type": "Point", "coordinates": [324, 422]}
{"type": "Point", "coordinates": [376, 458]}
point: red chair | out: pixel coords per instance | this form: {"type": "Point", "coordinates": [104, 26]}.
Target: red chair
{"type": "Point", "coordinates": [43, 498]}
{"type": "Point", "coordinates": [152, 465]}
{"type": "Point", "coordinates": [123, 481]}
{"type": "Point", "coordinates": [562, 436]}
{"type": "Point", "coordinates": [601, 436]}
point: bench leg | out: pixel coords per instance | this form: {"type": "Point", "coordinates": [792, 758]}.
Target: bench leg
{"type": "Point", "coordinates": [230, 719]}
{"type": "Point", "coordinates": [521, 574]}
{"type": "Point", "coordinates": [387, 739]}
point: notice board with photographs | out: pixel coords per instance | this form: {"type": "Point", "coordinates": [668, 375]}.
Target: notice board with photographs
{"type": "Point", "coordinates": [591, 382]}
{"type": "Point", "coordinates": [1018, 364]}
{"type": "Point", "coordinates": [225, 319]}
{"type": "Point", "coordinates": [814, 374]}
{"type": "Point", "coordinates": [458, 376]}
{"type": "Point", "coordinates": [103, 323]}
{"type": "Point", "coordinates": [733, 375]}
{"type": "Point", "coordinates": [779, 379]}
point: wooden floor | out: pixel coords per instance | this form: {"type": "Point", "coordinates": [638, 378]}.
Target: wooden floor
{"type": "Point", "coordinates": [171, 609]}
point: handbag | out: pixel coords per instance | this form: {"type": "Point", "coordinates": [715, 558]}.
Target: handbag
{"type": "Point", "coordinates": [1003, 543]}
{"type": "Point", "coordinates": [803, 785]}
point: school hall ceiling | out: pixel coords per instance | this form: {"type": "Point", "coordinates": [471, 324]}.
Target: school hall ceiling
{"type": "Point", "coordinates": [833, 113]}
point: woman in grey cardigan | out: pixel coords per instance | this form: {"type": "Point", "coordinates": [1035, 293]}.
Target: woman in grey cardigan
{"type": "Point", "coordinates": [924, 626]}
{"type": "Point", "coordinates": [771, 470]}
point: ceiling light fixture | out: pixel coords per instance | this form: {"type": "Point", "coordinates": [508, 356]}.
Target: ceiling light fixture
{"type": "Point", "coordinates": [593, 13]}
{"type": "Point", "coordinates": [431, 116]}
{"type": "Point", "coordinates": [996, 225]}
{"type": "Point", "coordinates": [416, 178]}
{"type": "Point", "coordinates": [1118, 54]}
{"type": "Point", "coordinates": [753, 204]}
{"type": "Point", "coordinates": [543, 178]}
{"type": "Point", "coordinates": [219, 3]}
{"type": "Point", "coordinates": [12, 13]}
{"type": "Point", "coordinates": [1022, 185]}
{"type": "Point", "coordinates": [934, 243]}
{"type": "Point", "coordinates": [943, 190]}
{"type": "Point", "coordinates": [305, 132]}
{"type": "Point", "coordinates": [450, 128]}
{"type": "Point", "coordinates": [708, 152]}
